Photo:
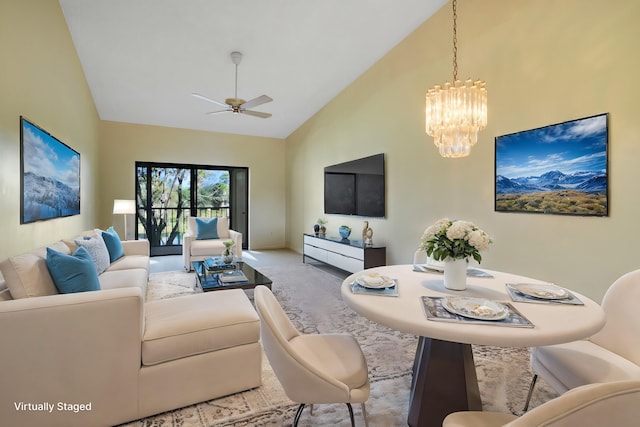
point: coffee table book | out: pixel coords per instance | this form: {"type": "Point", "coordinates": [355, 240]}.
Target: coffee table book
{"type": "Point", "coordinates": [232, 276]}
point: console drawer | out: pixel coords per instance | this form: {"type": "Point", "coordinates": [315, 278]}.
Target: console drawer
{"type": "Point", "coordinates": [316, 253]}
{"type": "Point", "coordinates": [344, 262]}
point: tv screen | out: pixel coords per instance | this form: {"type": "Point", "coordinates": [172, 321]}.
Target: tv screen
{"type": "Point", "coordinates": [356, 187]}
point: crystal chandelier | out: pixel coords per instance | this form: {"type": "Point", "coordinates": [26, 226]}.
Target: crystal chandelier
{"type": "Point", "coordinates": [456, 112]}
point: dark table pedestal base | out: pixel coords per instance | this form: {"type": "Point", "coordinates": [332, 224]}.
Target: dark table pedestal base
{"type": "Point", "coordinates": [444, 381]}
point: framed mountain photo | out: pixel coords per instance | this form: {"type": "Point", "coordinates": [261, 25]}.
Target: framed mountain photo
{"type": "Point", "coordinates": [557, 169]}
{"type": "Point", "coordinates": [50, 175]}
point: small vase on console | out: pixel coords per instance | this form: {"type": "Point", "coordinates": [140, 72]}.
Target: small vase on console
{"type": "Point", "coordinates": [455, 274]}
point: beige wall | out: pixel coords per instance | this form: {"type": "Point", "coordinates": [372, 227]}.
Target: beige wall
{"type": "Point", "coordinates": [544, 62]}
{"type": "Point", "coordinates": [121, 145]}
{"type": "Point", "coordinates": [41, 79]}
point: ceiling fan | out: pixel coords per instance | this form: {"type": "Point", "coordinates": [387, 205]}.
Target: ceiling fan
{"type": "Point", "coordinates": [236, 105]}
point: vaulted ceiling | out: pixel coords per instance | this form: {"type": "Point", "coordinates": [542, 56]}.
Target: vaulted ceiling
{"type": "Point", "coordinates": [143, 59]}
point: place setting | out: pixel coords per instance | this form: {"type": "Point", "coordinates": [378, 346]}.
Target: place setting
{"type": "Point", "coordinates": [473, 310]}
{"type": "Point", "coordinates": [541, 293]}
{"type": "Point", "coordinates": [375, 284]}
{"type": "Point", "coordinates": [439, 269]}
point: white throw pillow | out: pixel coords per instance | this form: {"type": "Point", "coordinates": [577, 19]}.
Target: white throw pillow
{"type": "Point", "coordinates": [96, 247]}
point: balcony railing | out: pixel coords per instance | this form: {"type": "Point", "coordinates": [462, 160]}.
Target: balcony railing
{"type": "Point", "coordinates": [170, 216]}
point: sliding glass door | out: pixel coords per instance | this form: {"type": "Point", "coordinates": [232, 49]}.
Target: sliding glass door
{"type": "Point", "coordinates": [167, 194]}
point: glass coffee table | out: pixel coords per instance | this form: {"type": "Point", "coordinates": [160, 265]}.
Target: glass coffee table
{"type": "Point", "coordinates": [213, 275]}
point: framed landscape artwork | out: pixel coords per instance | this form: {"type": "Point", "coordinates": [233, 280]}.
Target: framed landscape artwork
{"type": "Point", "coordinates": [50, 175]}
{"type": "Point", "coordinates": [556, 169]}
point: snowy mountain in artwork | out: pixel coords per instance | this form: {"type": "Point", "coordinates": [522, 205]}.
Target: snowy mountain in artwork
{"type": "Point", "coordinates": [585, 181]}
{"type": "Point", "coordinates": [45, 198]}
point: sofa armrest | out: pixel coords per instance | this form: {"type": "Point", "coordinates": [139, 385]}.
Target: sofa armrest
{"type": "Point", "coordinates": [136, 247]}
{"type": "Point", "coordinates": [236, 236]}
{"type": "Point", "coordinates": [72, 348]}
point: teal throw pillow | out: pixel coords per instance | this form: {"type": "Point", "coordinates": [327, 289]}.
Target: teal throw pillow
{"type": "Point", "coordinates": [114, 245]}
{"type": "Point", "coordinates": [72, 273]}
{"type": "Point", "coordinates": [206, 228]}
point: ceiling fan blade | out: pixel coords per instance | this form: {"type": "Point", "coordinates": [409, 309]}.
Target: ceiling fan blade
{"type": "Point", "coordinates": [229, 110]}
{"type": "Point", "coordinates": [263, 99]}
{"type": "Point", "coordinates": [256, 114]}
{"type": "Point", "coordinates": [222, 104]}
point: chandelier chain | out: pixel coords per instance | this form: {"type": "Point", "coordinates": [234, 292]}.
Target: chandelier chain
{"type": "Point", "coordinates": [455, 43]}
{"type": "Point", "coordinates": [455, 112]}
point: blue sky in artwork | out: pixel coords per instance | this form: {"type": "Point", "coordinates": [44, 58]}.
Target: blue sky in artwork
{"type": "Point", "coordinates": [578, 145]}
{"type": "Point", "coordinates": [48, 157]}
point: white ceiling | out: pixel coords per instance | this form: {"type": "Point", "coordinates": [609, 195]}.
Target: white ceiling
{"type": "Point", "coordinates": [143, 58]}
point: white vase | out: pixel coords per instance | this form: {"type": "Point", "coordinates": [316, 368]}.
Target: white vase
{"type": "Point", "coordinates": [455, 274]}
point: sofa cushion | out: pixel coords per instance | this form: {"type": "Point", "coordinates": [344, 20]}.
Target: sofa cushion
{"type": "Point", "coordinates": [207, 247]}
{"type": "Point", "coordinates": [199, 323]}
{"type": "Point", "coordinates": [96, 247]}
{"type": "Point", "coordinates": [72, 273]}
{"type": "Point", "coordinates": [27, 274]}
{"type": "Point", "coordinates": [137, 277]}
{"type": "Point", "coordinates": [130, 261]}
{"type": "Point", "coordinates": [207, 228]}
{"type": "Point", "coordinates": [114, 245]}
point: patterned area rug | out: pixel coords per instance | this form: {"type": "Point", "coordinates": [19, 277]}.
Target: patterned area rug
{"type": "Point", "coordinates": [311, 298]}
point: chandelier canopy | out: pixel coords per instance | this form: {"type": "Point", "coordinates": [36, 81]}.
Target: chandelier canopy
{"type": "Point", "coordinates": [455, 113]}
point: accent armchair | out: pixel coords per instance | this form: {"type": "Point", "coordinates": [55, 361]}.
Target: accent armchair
{"type": "Point", "coordinates": [593, 405]}
{"type": "Point", "coordinates": [198, 246]}
{"type": "Point", "coordinates": [613, 354]}
{"type": "Point", "coordinates": [312, 368]}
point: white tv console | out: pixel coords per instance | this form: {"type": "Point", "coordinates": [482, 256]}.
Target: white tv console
{"type": "Point", "coordinates": [345, 254]}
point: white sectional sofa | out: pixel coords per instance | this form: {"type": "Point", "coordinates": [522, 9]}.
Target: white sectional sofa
{"type": "Point", "coordinates": [104, 357]}
{"type": "Point", "coordinates": [194, 249]}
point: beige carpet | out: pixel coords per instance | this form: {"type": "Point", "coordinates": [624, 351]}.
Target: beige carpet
{"type": "Point", "coordinates": [311, 297]}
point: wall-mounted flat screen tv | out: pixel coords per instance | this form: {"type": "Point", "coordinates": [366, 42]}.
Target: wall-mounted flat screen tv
{"type": "Point", "coordinates": [356, 187]}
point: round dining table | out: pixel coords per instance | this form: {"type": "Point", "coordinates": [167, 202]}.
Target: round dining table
{"type": "Point", "coordinates": [444, 375]}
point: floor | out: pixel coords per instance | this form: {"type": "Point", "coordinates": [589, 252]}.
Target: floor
{"type": "Point", "coordinates": [253, 258]}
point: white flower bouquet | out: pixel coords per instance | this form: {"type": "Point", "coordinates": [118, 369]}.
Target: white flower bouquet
{"type": "Point", "coordinates": [454, 239]}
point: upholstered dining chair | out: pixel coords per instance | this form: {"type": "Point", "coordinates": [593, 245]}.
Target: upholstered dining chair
{"type": "Point", "coordinates": [312, 368]}
{"type": "Point", "coordinates": [593, 405]}
{"type": "Point", "coordinates": [613, 354]}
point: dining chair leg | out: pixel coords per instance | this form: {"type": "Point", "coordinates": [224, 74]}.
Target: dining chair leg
{"type": "Point", "coordinates": [298, 413]}
{"type": "Point", "coordinates": [531, 386]}
{"type": "Point", "coordinates": [364, 415]}
{"type": "Point", "coordinates": [353, 422]}
{"type": "Point", "coordinates": [311, 409]}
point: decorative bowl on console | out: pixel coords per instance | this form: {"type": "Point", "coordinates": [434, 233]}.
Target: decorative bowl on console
{"type": "Point", "coordinates": [344, 231]}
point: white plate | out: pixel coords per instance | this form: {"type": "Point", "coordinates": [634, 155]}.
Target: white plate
{"type": "Point", "coordinates": [475, 308]}
{"type": "Point", "coordinates": [374, 281]}
{"type": "Point", "coordinates": [542, 291]}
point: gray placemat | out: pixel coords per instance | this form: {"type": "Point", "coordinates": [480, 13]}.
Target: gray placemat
{"type": "Point", "coordinates": [520, 297]}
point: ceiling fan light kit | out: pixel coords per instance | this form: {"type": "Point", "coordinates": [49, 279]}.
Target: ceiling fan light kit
{"type": "Point", "coordinates": [455, 113]}
{"type": "Point", "coordinates": [237, 105]}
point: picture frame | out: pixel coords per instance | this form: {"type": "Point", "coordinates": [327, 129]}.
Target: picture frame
{"type": "Point", "coordinates": [559, 169]}
{"type": "Point", "coordinates": [49, 175]}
